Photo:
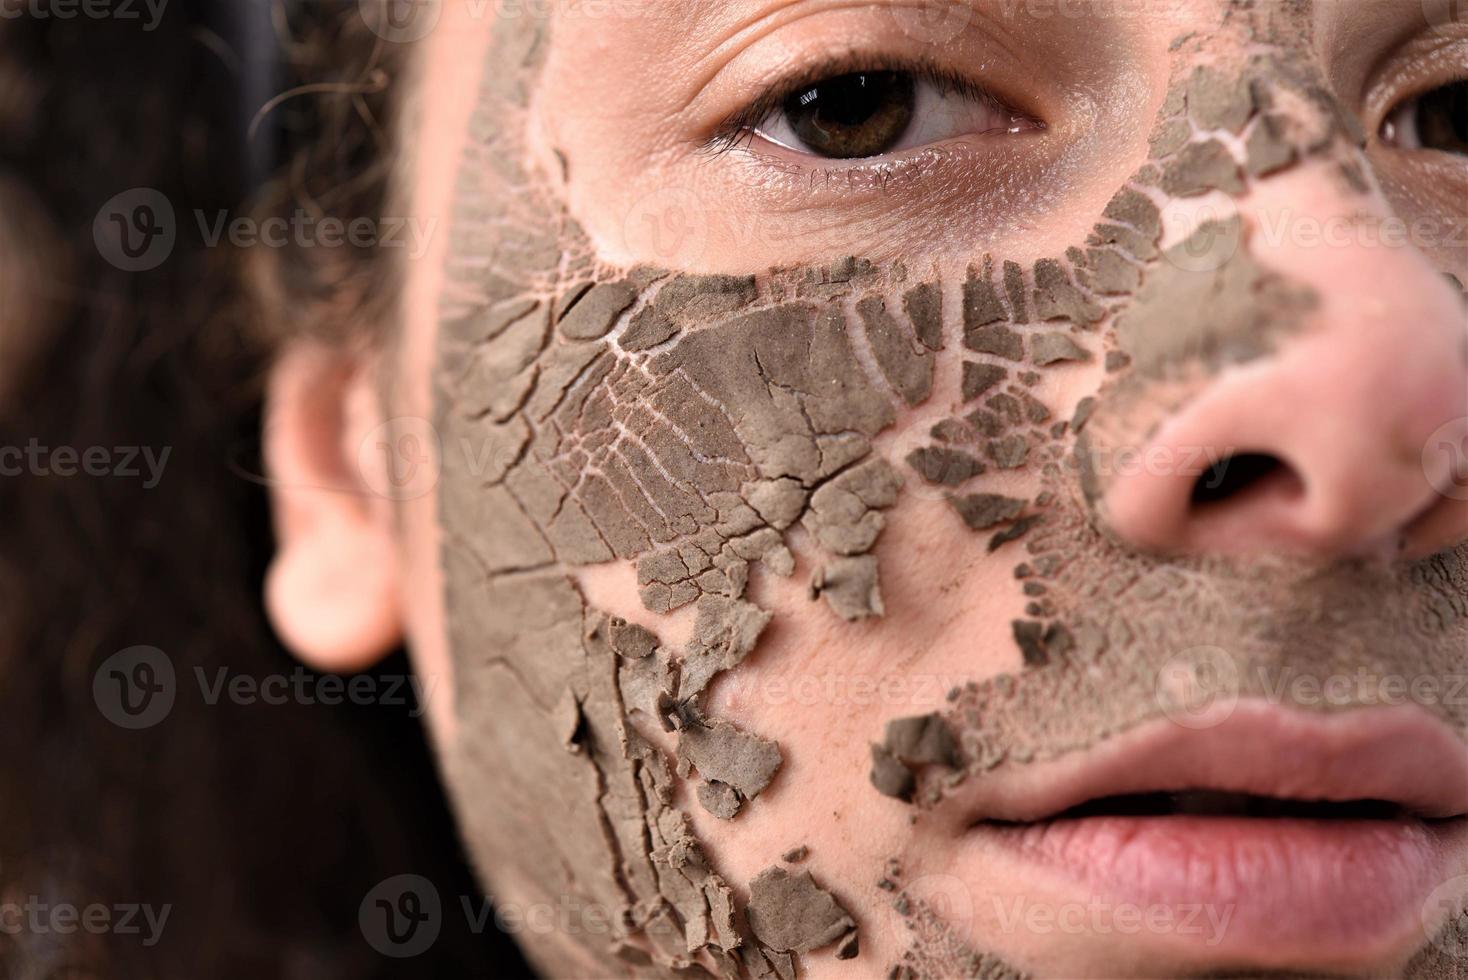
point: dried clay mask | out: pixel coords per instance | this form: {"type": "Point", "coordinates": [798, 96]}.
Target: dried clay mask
{"type": "Point", "coordinates": [714, 432]}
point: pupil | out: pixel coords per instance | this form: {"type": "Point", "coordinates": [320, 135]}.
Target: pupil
{"type": "Point", "coordinates": [858, 115]}
{"type": "Point", "coordinates": [1444, 118]}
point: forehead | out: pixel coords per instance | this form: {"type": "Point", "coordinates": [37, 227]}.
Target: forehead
{"type": "Point", "coordinates": [709, 26]}
{"type": "Point", "coordinates": [693, 37]}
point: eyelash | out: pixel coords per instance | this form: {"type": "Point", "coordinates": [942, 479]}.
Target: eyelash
{"type": "Point", "coordinates": [739, 128]}
{"type": "Point", "coordinates": [1421, 91]}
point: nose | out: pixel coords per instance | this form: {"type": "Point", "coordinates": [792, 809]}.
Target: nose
{"type": "Point", "coordinates": [1346, 435]}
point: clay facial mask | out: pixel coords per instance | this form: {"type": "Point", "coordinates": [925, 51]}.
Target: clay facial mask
{"type": "Point", "coordinates": [700, 429]}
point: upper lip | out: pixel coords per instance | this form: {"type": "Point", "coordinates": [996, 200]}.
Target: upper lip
{"type": "Point", "coordinates": [1399, 755]}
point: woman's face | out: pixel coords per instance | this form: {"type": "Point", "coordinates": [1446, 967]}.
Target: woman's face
{"type": "Point", "coordinates": [1002, 459]}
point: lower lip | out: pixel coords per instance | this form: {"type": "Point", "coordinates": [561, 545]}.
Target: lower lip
{"type": "Point", "coordinates": [1286, 884]}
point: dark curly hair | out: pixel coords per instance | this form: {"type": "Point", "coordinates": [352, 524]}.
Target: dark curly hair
{"type": "Point", "coordinates": [262, 827]}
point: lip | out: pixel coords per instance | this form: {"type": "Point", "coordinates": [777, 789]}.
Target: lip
{"type": "Point", "coordinates": [1298, 892]}
{"type": "Point", "coordinates": [1399, 754]}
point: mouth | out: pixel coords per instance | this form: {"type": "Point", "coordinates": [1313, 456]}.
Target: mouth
{"type": "Point", "coordinates": [1215, 803]}
{"type": "Point", "coordinates": [1313, 840]}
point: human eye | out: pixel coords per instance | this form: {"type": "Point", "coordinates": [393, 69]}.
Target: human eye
{"type": "Point", "coordinates": [1436, 120]}
{"type": "Point", "coordinates": [863, 112]}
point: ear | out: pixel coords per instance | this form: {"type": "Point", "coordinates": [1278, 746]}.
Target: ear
{"type": "Point", "coordinates": [332, 591]}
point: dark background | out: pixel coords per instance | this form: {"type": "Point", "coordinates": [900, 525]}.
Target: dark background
{"type": "Point", "coordinates": [263, 826]}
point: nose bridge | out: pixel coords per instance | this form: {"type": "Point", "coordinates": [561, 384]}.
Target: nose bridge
{"type": "Point", "coordinates": [1315, 348]}
{"type": "Point", "coordinates": [1297, 110]}
{"type": "Point", "coordinates": [1251, 152]}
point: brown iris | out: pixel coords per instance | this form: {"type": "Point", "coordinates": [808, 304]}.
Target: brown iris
{"type": "Point", "coordinates": [1442, 118]}
{"type": "Point", "coordinates": [850, 116]}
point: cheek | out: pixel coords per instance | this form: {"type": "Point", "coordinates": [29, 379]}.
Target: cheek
{"type": "Point", "coordinates": [411, 479]}
{"type": "Point", "coordinates": [422, 605]}
{"type": "Point", "coordinates": [725, 459]}
{"type": "Point", "coordinates": [442, 121]}
{"type": "Point", "coordinates": [821, 687]}
{"type": "Point", "coordinates": [946, 598]}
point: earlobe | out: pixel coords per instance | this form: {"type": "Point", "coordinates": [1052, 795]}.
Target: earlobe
{"type": "Point", "coordinates": [332, 590]}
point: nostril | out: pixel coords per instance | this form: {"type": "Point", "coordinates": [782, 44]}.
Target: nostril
{"type": "Point", "coordinates": [1233, 476]}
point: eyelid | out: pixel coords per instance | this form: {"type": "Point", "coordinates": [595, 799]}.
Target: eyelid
{"type": "Point", "coordinates": [740, 125]}
{"type": "Point", "coordinates": [1418, 69]}
{"type": "Point", "coordinates": [1420, 90]}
